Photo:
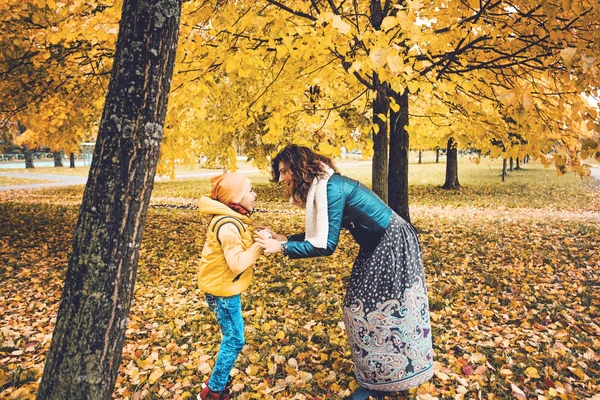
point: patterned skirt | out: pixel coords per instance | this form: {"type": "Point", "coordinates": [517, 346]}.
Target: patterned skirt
{"type": "Point", "coordinates": [386, 313]}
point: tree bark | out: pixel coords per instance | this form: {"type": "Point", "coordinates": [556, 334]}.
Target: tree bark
{"type": "Point", "coordinates": [503, 169]}
{"type": "Point", "coordinates": [399, 144]}
{"type": "Point", "coordinates": [451, 166]}
{"type": "Point", "coordinates": [87, 342]}
{"type": "Point", "coordinates": [28, 155]}
{"type": "Point", "coordinates": [512, 165]}
{"type": "Point", "coordinates": [72, 160]}
{"type": "Point", "coordinates": [518, 164]}
{"type": "Point", "coordinates": [57, 155]}
{"type": "Point", "coordinates": [420, 156]}
{"type": "Point", "coordinates": [379, 178]}
{"type": "Point", "coordinates": [437, 155]}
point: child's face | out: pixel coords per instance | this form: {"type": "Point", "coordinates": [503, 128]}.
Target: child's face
{"type": "Point", "coordinates": [248, 200]}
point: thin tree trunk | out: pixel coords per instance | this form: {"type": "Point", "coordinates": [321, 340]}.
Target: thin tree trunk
{"type": "Point", "coordinates": [28, 155]}
{"type": "Point", "coordinates": [518, 164]}
{"type": "Point", "coordinates": [72, 160]}
{"type": "Point", "coordinates": [87, 343]}
{"type": "Point", "coordinates": [451, 166]}
{"type": "Point", "coordinates": [420, 156]}
{"type": "Point", "coordinates": [504, 169]}
{"type": "Point", "coordinates": [379, 178]}
{"type": "Point", "coordinates": [512, 165]}
{"type": "Point", "coordinates": [437, 155]}
{"type": "Point", "coordinates": [399, 145]}
{"type": "Point", "coordinates": [57, 158]}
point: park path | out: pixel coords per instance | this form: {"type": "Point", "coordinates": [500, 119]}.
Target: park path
{"type": "Point", "coordinates": [66, 180]}
{"type": "Point", "coordinates": [56, 180]}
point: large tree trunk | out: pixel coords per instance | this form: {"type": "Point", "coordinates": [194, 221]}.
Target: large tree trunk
{"type": "Point", "coordinates": [86, 347]}
{"type": "Point", "coordinates": [518, 164]}
{"type": "Point", "coordinates": [399, 141]}
{"type": "Point", "coordinates": [512, 165]}
{"type": "Point", "coordinates": [57, 155]}
{"type": "Point", "coordinates": [451, 166]}
{"type": "Point", "coordinates": [72, 160]}
{"type": "Point", "coordinates": [379, 178]}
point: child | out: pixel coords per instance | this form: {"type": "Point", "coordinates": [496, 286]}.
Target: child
{"type": "Point", "coordinates": [226, 270]}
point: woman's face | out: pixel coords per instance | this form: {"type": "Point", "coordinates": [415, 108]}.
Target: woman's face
{"type": "Point", "coordinates": [248, 200]}
{"type": "Point", "coordinates": [284, 174]}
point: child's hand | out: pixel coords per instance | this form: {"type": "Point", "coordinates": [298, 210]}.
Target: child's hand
{"type": "Point", "coordinates": [269, 245]}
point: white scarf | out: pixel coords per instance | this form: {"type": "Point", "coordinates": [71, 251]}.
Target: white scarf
{"type": "Point", "coordinates": [317, 219]}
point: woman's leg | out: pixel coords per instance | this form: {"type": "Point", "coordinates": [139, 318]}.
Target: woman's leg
{"type": "Point", "coordinates": [228, 311]}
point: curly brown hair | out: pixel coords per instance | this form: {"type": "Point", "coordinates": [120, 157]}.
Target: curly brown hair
{"type": "Point", "coordinates": [304, 164]}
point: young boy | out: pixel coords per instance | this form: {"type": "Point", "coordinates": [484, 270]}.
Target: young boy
{"type": "Point", "coordinates": [226, 270]}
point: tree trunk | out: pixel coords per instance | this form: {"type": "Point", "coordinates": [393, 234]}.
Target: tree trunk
{"type": "Point", "coordinates": [379, 178]}
{"type": "Point", "coordinates": [512, 166]}
{"type": "Point", "coordinates": [503, 169]}
{"type": "Point", "coordinates": [437, 155]}
{"type": "Point", "coordinates": [420, 156]}
{"type": "Point", "coordinates": [399, 141]}
{"type": "Point", "coordinates": [451, 166]}
{"type": "Point", "coordinates": [72, 160]}
{"type": "Point", "coordinates": [87, 342]}
{"type": "Point", "coordinates": [28, 155]}
{"type": "Point", "coordinates": [57, 158]}
{"type": "Point", "coordinates": [518, 164]}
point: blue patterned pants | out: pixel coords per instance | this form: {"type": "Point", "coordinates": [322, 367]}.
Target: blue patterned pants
{"type": "Point", "coordinates": [228, 311]}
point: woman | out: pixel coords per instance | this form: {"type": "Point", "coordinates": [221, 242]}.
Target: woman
{"type": "Point", "coordinates": [386, 312]}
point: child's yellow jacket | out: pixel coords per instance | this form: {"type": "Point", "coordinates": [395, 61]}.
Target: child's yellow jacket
{"type": "Point", "coordinates": [229, 251]}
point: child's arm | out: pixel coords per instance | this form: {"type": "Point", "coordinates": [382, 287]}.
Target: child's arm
{"type": "Point", "coordinates": [237, 258]}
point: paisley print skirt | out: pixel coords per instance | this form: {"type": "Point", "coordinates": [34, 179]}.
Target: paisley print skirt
{"type": "Point", "coordinates": [386, 313]}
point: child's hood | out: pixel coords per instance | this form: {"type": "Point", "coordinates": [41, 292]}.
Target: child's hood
{"type": "Point", "coordinates": [206, 205]}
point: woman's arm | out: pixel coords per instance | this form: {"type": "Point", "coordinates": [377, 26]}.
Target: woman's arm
{"type": "Point", "coordinates": [236, 257]}
{"type": "Point", "coordinates": [301, 248]}
{"type": "Point", "coordinates": [296, 245]}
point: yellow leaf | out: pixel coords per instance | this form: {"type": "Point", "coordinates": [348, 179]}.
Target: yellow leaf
{"type": "Point", "coordinates": [388, 23]}
{"type": "Point", "coordinates": [532, 372]}
{"type": "Point", "coordinates": [339, 24]}
{"type": "Point", "coordinates": [378, 57]}
{"type": "Point", "coordinates": [578, 372]}
{"type": "Point", "coordinates": [155, 375]}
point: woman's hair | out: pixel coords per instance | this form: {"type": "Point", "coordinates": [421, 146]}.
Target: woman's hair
{"type": "Point", "coordinates": [304, 165]}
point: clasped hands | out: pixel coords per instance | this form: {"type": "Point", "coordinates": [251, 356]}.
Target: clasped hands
{"type": "Point", "coordinates": [268, 240]}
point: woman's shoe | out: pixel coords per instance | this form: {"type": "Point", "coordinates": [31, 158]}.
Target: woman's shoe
{"type": "Point", "coordinates": [365, 394]}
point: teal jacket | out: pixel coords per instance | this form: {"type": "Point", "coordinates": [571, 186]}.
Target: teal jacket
{"type": "Point", "coordinates": [352, 206]}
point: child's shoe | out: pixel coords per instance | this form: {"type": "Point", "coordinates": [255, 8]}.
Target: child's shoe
{"type": "Point", "coordinates": [207, 394]}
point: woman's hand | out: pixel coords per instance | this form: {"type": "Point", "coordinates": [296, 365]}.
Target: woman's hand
{"type": "Point", "coordinates": [266, 241]}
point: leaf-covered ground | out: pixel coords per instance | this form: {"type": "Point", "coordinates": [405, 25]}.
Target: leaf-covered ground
{"type": "Point", "coordinates": [514, 294]}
